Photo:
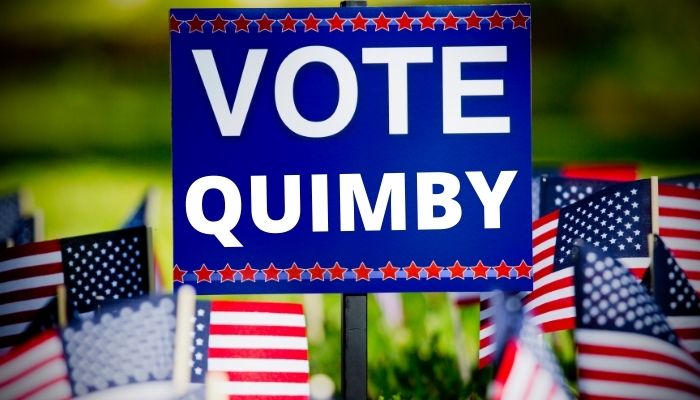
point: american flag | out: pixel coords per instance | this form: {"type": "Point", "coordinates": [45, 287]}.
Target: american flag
{"type": "Point", "coordinates": [9, 215]}
{"type": "Point", "coordinates": [610, 172]}
{"type": "Point", "coordinates": [616, 220]}
{"type": "Point", "coordinates": [141, 217]}
{"type": "Point", "coordinates": [487, 329]}
{"type": "Point", "coordinates": [559, 192]}
{"type": "Point", "coordinates": [626, 348]}
{"type": "Point", "coordinates": [687, 181]}
{"type": "Point", "coordinates": [35, 370]}
{"type": "Point", "coordinates": [676, 297]}
{"type": "Point", "coordinates": [25, 231]}
{"type": "Point", "coordinates": [528, 370]}
{"type": "Point", "coordinates": [126, 343]}
{"type": "Point", "coordinates": [112, 265]}
{"type": "Point", "coordinates": [679, 226]}
{"type": "Point", "coordinates": [262, 347]}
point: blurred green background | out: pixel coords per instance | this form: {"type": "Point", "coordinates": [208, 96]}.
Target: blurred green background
{"type": "Point", "coordinates": [85, 128]}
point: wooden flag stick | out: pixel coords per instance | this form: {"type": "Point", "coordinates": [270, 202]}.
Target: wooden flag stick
{"type": "Point", "coordinates": [655, 205]}
{"type": "Point", "coordinates": [214, 385]}
{"type": "Point", "coordinates": [183, 338]}
{"type": "Point", "coordinates": [62, 303]}
{"type": "Point", "coordinates": [651, 241]}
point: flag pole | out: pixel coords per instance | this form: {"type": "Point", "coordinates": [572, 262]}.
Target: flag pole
{"type": "Point", "coordinates": [654, 227]}
{"type": "Point", "coordinates": [62, 304]}
{"type": "Point", "coordinates": [183, 338]}
{"type": "Point", "coordinates": [651, 240]}
{"type": "Point", "coordinates": [213, 385]}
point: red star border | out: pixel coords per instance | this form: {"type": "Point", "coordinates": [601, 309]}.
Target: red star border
{"type": "Point", "coordinates": [196, 24]}
{"type": "Point", "coordinates": [218, 24]}
{"type": "Point", "coordinates": [389, 271]}
{"type": "Point", "coordinates": [289, 23]}
{"type": "Point", "coordinates": [227, 273]}
{"type": "Point", "coordinates": [433, 271]}
{"type": "Point", "coordinates": [480, 271]}
{"type": "Point", "coordinates": [427, 21]}
{"type": "Point", "coordinates": [496, 21]}
{"type": "Point", "coordinates": [359, 23]}
{"type": "Point", "coordinates": [503, 270]}
{"type": "Point", "coordinates": [449, 21]}
{"type": "Point", "coordinates": [203, 274]}
{"type": "Point", "coordinates": [362, 272]}
{"type": "Point", "coordinates": [294, 273]}
{"type": "Point", "coordinates": [311, 23]}
{"type": "Point", "coordinates": [412, 271]}
{"type": "Point", "coordinates": [405, 21]}
{"type": "Point", "coordinates": [336, 23]}
{"type": "Point", "coordinates": [473, 21]}
{"type": "Point", "coordinates": [175, 24]}
{"type": "Point", "coordinates": [179, 274]}
{"type": "Point", "coordinates": [381, 22]}
{"type": "Point", "coordinates": [316, 272]}
{"type": "Point", "coordinates": [457, 270]}
{"type": "Point", "coordinates": [522, 270]}
{"type": "Point", "coordinates": [337, 272]}
{"type": "Point", "coordinates": [248, 273]}
{"type": "Point", "coordinates": [272, 273]}
{"type": "Point", "coordinates": [264, 23]}
{"type": "Point", "coordinates": [519, 20]}
{"type": "Point", "coordinates": [242, 23]}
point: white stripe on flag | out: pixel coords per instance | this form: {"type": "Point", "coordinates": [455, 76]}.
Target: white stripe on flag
{"type": "Point", "coordinates": [257, 365]}
{"type": "Point", "coordinates": [545, 228]}
{"type": "Point", "coordinates": [675, 243]}
{"type": "Point", "coordinates": [636, 391]}
{"type": "Point", "coordinates": [14, 329]}
{"type": "Point", "coordinates": [46, 373]}
{"type": "Point", "coordinates": [684, 322]}
{"type": "Point", "coordinates": [31, 283]}
{"type": "Point", "coordinates": [679, 223]}
{"type": "Point", "coordinates": [682, 203]}
{"type": "Point", "coordinates": [31, 358]}
{"type": "Point", "coordinates": [264, 388]}
{"type": "Point", "coordinates": [257, 342]}
{"type": "Point", "coordinates": [30, 261]}
{"type": "Point", "coordinates": [24, 305]}
{"type": "Point", "coordinates": [520, 376]}
{"type": "Point", "coordinates": [554, 315]}
{"type": "Point", "coordinates": [257, 318]}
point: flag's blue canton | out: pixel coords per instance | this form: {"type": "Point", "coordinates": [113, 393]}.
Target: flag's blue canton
{"type": "Point", "coordinates": [111, 265]}
{"type": "Point", "coordinates": [131, 342]}
{"type": "Point", "coordinates": [616, 220]}
{"type": "Point", "coordinates": [559, 192]}
{"type": "Point", "coordinates": [200, 341]}
{"type": "Point", "coordinates": [672, 290]}
{"type": "Point", "coordinates": [688, 181]}
{"type": "Point", "coordinates": [138, 218]}
{"type": "Point", "coordinates": [609, 297]}
{"type": "Point", "coordinates": [9, 215]}
{"type": "Point", "coordinates": [24, 231]}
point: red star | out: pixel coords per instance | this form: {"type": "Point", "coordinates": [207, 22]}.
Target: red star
{"type": "Point", "coordinates": [248, 273]}
{"type": "Point", "coordinates": [294, 273]}
{"type": "Point", "coordinates": [179, 274]}
{"type": "Point", "coordinates": [337, 272]}
{"type": "Point", "coordinates": [362, 272]}
{"type": "Point", "coordinates": [359, 23]}
{"type": "Point", "coordinates": [289, 23]}
{"type": "Point", "coordinates": [175, 24]}
{"type": "Point", "coordinates": [381, 22]}
{"type": "Point", "coordinates": [519, 20]}
{"type": "Point", "coordinates": [218, 24]}
{"type": "Point", "coordinates": [434, 271]}
{"type": "Point", "coordinates": [473, 21]}
{"type": "Point", "coordinates": [457, 270]}
{"type": "Point", "coordinates": [203, 274]}
{"type": "Point", "coordinates": [264, 23]}
{"type": "Point", "coordinates": [316, 272]}
{"type": "Point", "coordinates": [336, 23]}
{"type": "Point", "coordinates": [479, 270]}
{"type": "Point", "coordinates": [227, 273]}
{"type": "Point", "coordinates": [495, 21]}
{"type": "Point", "coordinates": [522, 270]}
{"type": "Point", "coordinates": [450, 21]}
{"type": "Point", "coordinates": [389, 271]}
{"type": "Point", "coordinates": [196, 24]}
{"type": "Point", "coordinates": [503, 270]}
{"type": "Point", "coordinates": [242, 23]}
{"type": "Point", "coordinates": [405, 21]}
{"type": "Point", "coordinates": [427, 21]}
{"type": "Point", "coordinates": [272, 273]}
{"type": "Point", "coordinates": [311, 23]}
{"type": "Point", "coordinates": [412, 271]}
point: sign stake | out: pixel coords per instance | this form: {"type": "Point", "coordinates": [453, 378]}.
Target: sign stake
{"type": "Point", "coordinates": [354, 353]}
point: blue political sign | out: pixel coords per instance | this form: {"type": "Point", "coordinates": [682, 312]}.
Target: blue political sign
{"type": "Point", "coordinates": [352, 149]}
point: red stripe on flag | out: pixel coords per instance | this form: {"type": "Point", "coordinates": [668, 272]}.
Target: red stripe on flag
{"type": "Point", "coordinates": [261, 397]}
{"type": "Point", "coordinates": [679, 233]}
{"type": "Point", "coordinates": [610, 172]}
{"type": "Point", "coordinates": [544, 220]}
{"type": "Point", "coordinates": [29, 370]}
{"type": "Point", "coordinates": [685, 254]}
{"type": "Point", "coordinates": [553, 305]}
{"type": "Point", "coordinates": [677, 212]}
{"type": "Point", "coordinates": [678, 191]}
{"type": "Point", "coordinates": [561, 283]}
{"type": "Point", "coordinates": [30, 344]}
{"type": "Point", "coordinates": [31, 249]}
{"type": "Point", "coordinates": [584, 348]}
{"type": "Point", "coordinates": [259, 353]}
{"type": "Point", "coordinates": [30, 272]}
{"type": "Point", "coordinates": [542, 255]}
{"type": "Point", "coordinates": [257, 330]}
{"type": "Point", "coordinates": [28, 294]}
{"type": "Point", "coordinates": [507, 362]}
{"type": "Point", "coordinates": [558, 325]}
{"type": "Point", "coordinates": [251, 306]}
{"type": "Point", "coordinates": [544, 237]}
{"type": "Point", "coordinates": [484, 362]}
{"type": "Point", "coordinates": [646, 379]}
{"type": "Point", "coordinates": [287, 377]}
{"type": "Point", "coordinates": [18, 317]}
{"type": "Point", "coordinates": [688, 333]}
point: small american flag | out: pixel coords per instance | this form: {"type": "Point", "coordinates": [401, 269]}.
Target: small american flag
{"type": "Point", "coordinates": [626, 348]}
{"type": "Point", "coordinates": [141, 216]}
{"type": "Point", "coordinates": [126, 343]}
{"type": "Point", "coordinates": [35, 370]}
{"type": "Point", "coordinates": [262, 347]}
{"type": "Point", "coordinates": [487, 329]}
{"type": "Point", "coordinates": [679, 226]}
{"type": "Point", "coordinates": [113, 265]}
{"type": "Point", "coordinates": [676, 297]}
{"type": "Point", "coordinates": [687, 181]}
{"type": "Point", "coordinates": [616, 220]}
{"type": "Point", "coordinates": [559, 192]}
